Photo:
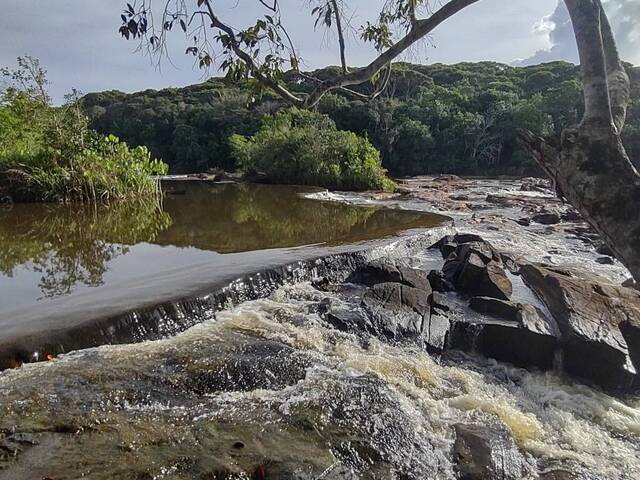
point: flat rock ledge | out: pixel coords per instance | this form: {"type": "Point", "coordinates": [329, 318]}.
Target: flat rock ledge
{"type": "Point", "coordinates": [580, 325]}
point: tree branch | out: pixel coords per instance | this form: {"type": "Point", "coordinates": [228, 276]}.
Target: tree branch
{"type": "Point", "coordinates": [419, 30]}
{"type": "Point", "coordinates": [249, 61]}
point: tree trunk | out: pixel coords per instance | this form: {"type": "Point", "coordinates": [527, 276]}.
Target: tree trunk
{"type": "Point", "coordinates": [590, 166]}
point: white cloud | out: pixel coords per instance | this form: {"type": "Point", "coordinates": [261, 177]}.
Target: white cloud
{"type": "Point", "coordinates": [558, 31]}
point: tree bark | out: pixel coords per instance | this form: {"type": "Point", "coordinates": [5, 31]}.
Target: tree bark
{"type": "Point", "coordinates": [589, 165]}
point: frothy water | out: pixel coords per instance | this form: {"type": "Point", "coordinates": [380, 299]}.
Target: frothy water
{"type": "Point", "coordinates": [269, 390]}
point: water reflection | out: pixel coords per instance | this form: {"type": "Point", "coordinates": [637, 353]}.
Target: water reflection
{"type": "Point", "coordinates": [61, 247]}
{"type": "Point", "coordinates": [72, 245]}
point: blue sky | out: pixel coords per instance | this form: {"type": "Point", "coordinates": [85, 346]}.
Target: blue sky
{"type": "Point", "coordinates": [77, 40]}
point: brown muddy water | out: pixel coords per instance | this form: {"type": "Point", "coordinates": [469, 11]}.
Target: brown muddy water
{"type": "Point", "coordinates": [265, 388]}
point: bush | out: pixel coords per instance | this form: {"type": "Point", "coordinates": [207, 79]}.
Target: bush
{"type": "Point", "coordinates": [50, 154]}
{"type": "Point", "coordinates": [306, 148]}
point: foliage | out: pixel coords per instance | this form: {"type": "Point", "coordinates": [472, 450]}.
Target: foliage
{"type": "Point", "coordinates": [305, 148]}
{"type": "Point", "coordinates": [430, 119]}
{"type": "Point", "coordinates": [50, 153]}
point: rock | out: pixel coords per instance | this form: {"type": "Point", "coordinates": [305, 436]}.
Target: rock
{"type": "Point", "coordinates": [481, 248]}
{"type": "Point", "coordinates": [480, 279]}
{"type": "Point", "coordinates": [531, 184]}
{"type": "Point", "coordinates": [571, 215]}
{"type": "Point", "coordinates": [604, 249]}
{"type": "Point", "coordinates": [439, 283]}
{"type": "Point", "coordinates": [525, 222]}
{"type": "Point", "coordinates": [385, 271]}
{"type": "Point", "coordinates": [487, 452]}
{"type": "Point", "coordinates": [448, 179]}
{"type": "Point", "coordinates": [494, 307]}
{"type": "Point", "coordinates": [527, 339]}
{"type": "Point", "coordinates": [399, 312]}
{"type": "Point", "coordinates": [546, 218]}
{"type": "Point", "coordinates": [630, 283]}
{"type": "Point", "coordinates": [449, 243]}
{"type": "Point", "coordinates": [605, 260]}
{"type": "Point", "coordinates": [591, 317]}
{"type": "Point", "coordinates": [403, 190]}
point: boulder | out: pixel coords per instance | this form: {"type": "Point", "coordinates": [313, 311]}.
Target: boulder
{"type": "Point", "coordinates": [398, 312]}
{"type": "Point", "coordinates": [591, 316]}
{"type": "Point", "coordinates": [448, 243]}
{"type": "Point", "coordinates": [502, 309]}
{"type": "Point", "coordinates": [604, 249]}
{"type": "Point", "coordinates": [527, 339]}
{"type": "Point", "coordinates": [439, 283]}
{"type": "Point", "coordinates": [385, 271]}
{"type": "Point", "coordinates": [487, 452]}
{"type": "Point", "coordinates": [474, 277]}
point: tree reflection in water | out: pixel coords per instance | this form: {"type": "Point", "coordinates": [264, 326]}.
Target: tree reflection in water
{"type": "Point", "coordinates": [72, 245]}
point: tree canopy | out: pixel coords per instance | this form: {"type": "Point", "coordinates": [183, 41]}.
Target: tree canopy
{"type": "Point", "coordinates": [428, 119]}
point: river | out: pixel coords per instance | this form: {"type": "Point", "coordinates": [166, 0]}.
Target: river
{"type": "Point", "coordinates": [268, 389]}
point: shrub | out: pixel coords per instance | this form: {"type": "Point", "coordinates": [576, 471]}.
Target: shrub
{"type": "Point", "coordinates": [306, 148]}
{"type": "Point", "coordinates": [50, 154]}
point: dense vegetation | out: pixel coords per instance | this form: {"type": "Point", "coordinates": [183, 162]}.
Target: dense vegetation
{"type": "Point", "coordinates": [430, 119]}
{"type": "Point", "coordinates": [50, 154]}
{"type": "Point", "coordinates": [305, 148]}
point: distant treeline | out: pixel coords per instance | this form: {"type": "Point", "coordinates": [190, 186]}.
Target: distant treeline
{"type": "Point", "coordinates": [430, 119]}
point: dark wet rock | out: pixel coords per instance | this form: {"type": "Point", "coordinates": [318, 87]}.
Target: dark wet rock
{"type": "Point", "coordinates": [605, 260]}
{"type": "Point", "coordinates": [487, 452]}
{"type": "Point", "coordinates": [248, 364]}
{"type": "Point", "coordinates": [530, 340]}
{"type": "Point", "coordinates": [502, 309]}
{"type": "Point", "coordinates": [630, 283]}
{"type": "Point", "coordinates": [351, 320]}
{"type": "Point", "coordinates": [439, 283]}
{"type": "Point", "coordinates": [571, 215]}
{"type": "Point", "coordinates": [546, 218]}
{"type": "Point", "coordinates": [474, 277]}
{"type": "Point", "coordinates": [481, 248]}
{"type": "Point", "coordinates": [400, 312]}
{"type": "Point", "coordinates": [590, 316]}
{"type": "Point", "coordinates": [524, 221]}
{"type": "Point", "coordinates": [385, 270]}
{"type": "Point", "coordinates": [322, 307]}
{"type": "Point", "coordinates": [448, 243]}
{"type": "Point", "coordinates": [604, 249]}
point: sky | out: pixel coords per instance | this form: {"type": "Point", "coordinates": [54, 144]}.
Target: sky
{"type": "Point", "coordinates": [78, 43]}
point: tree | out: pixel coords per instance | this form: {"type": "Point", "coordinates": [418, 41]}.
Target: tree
{"type": "Point", "coordinates": [588, 163]}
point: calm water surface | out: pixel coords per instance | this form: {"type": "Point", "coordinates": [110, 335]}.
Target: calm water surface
{"type": "Point", "coordinates": [49, 251]}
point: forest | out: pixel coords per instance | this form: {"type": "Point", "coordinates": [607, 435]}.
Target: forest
{"type": "Point", "coordinates": [430, 119]}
